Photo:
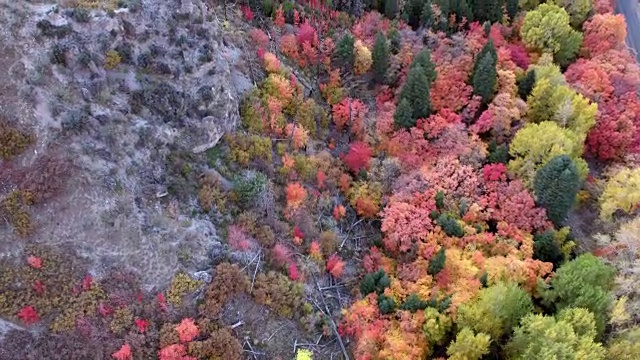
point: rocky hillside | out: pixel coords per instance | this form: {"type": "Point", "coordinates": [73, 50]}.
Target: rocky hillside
{"type": "Point", "coordinates": [115, 104]}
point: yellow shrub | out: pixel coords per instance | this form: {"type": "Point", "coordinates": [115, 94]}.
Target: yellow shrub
{"type": "Point", "coordinates": [112, 59]}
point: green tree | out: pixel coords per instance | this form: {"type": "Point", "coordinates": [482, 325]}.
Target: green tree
{"type": "Point", "coordinates": [437, 262]}
{"type": "Point", "coordinates": [427, 15]}
{"type": "Point", "coordinates": [380, 57]}
{"type": "Point", "coordinates": [485, 77]}
{"type": "Point", "coordinates": [556, 185]}
{"type": "Point", "coordinates": [585, 282]}
{"type": "Point", "coordinates": [536, 144]}
{"type": "Point", "coordinates": [512, 9]}
{"type": "Point", "coordinates": [487, 10]}
{"type": "Point", "coordinates": [547, 29]}
{"type": "Point", "coordinates": [412, 12]}
{"type": "Point", "coordinates": [496, 310]}
{"type": "Point", "coordinates": [395, 40]}
{"type": "Point", "coordinates": [345, 51]}
{"type": "Point", "coordinates": [569, 336]}
{"type": "Point", "coordinates": [547, 249]}
{"type": "Point", "coordinates": [423, 59]}
{"type": "Point", "coordinates": [436, 326]}
{"type": "Point", "coordinates": [468, 346]}
{"type": "Point", "coordinates": [416, 92]}
{"type": "Point", "coordinates": [526, 84]}
{"type": "Point", "coordinates": [403, 116]}
{"type": "Point", "coordinates": [488, 48]}
{"type": "Point", "coordinates": [391, 9]}
{"type": "Point", "coordinates": [377, 281]}
{"type": "Point", "coordinates": [577, 9]}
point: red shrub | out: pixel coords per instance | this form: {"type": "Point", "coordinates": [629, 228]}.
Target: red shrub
{"type": "Point", "coordinates": [259, 38]}
{"type": "Point", "coordinates": [306, 34]}
{"type": "Point", "coordinates": [293, 272]}
{"type": "Point", "coordinates": [187, 330]}
{"type": "Point", "coordinates": [358, 156]}
{"type": "Point", "coordinates": [123, 354]}
{"type": "Point", "coordinates": [335, 266]}
{"type": "Point", "coordinates": [281, 255]}
{"type": "Point", "coordinates": [142, 325]}
{"type": "Point", "coordinates": [35, 262]}
{"type": "Point", "coordinates": [28, 315]}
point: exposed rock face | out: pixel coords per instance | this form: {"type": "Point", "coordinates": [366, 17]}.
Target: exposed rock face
{"type": "Point", "coordinates": [126, 121]}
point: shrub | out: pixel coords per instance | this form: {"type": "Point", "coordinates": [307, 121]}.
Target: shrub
{"type": "Point", "coordinates": [181, 285]}
{"type": "Point", "coordinates": [13, 142]}
{"type": "Point", "coordinates": [247, 189]}
{"type": "Point", "coordinates": [228, 281]}
{"type": "Point", "coordinates": [279, 293]}
{"type": "Point", "coordinates": [220, 345]}
{"type": "Point", "coordinates": [112, 59]}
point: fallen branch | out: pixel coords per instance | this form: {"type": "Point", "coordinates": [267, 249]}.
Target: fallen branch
{"type": "Point", "coordinates": [237, 324]}
{"type": "Point", "coordinates": [253, 279]}
{"type": "Point", "coordinates": [334, 328]}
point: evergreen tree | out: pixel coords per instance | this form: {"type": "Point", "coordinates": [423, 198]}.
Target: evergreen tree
{"type": "Point", "coordinates": [412, 13]}
{"type": "Point", "coordinates": [427, 16]}
{"type": "Point", "coordinates": [488, 48]}
{"type": "Point", "coordinates": [404, 116]}
{"type": "Point", "coordinates": [380, 58]}
{"type": "Point", "coordinates": [512, 9]}
{"type": "Point", "coordinates": [526, 85]}
{"type": "Point", "coordinates": [344, 51]}
{"type": "Point", "coordinates": [436, 263]}
{"type": "Point", "coordinates": [547, 249]}
{"type": "Point", "coordinates": [391, 9]}
{"type": "Point", "coordinates": [423, 59]}
{"type": "Point", "coordinates": [556, 185]}
{"type": "Point", "coordinates": [416, 92]}
{"type": "Point", "coordinates": [485, 77]}
{"type": "Point", "coordinates": [395, 41]}
{"type": "Point", "coordinates": [487, 10]}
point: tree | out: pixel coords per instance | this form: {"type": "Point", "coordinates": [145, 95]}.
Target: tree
{"type": "Point", "coordinates": [487, 10]}
{"type": "Point", "coordinates": [577, 9]}
{"type": "Point", "coordinates": [427, 16]}
{"type": "Point", "coordinates": [604, 32]}
{"type": "Point", "coordinates": [395, 40]}
{"type": "Point", "coordinates": [403, 116]}
{"type": "Point", "coordinates": [412, 13]}
{"type": "Point", "coordinates": [547, 29]}
{"type": "Point", "coordinates": [526, 84]}
{"type": "Point", "coordinates": [416, 92]}
{"type": "Point", "coordinates": [512, 9]}
{"type": "Point", "coordinates": [556, 185]}
{"type": "Point", "coordinates": [391, 9]}
{"type": "Point", "coordinates": [622, 192]}
{"type": "Point", "coordinates": [568, 336]}
{"type": "Point", "coordinates": [362, 61]}
{"type": "Point", "coordinates": [358, 156]}
{"type": "Point", "coordinates": [536, 144]}
{"type": "Point", "coordinates": [585, 282]}
{"type": "Point", "coordinates": [485, 77]}
{"type": "Point", "coordinates": [380, 57]}
{"type": "Point", "coordinates": [488, 48]}
{"type": "Point", "coordinates": [468, 346]}
{"type": "Point", "coordinates": [187, 330]}
{"type": "Point", "coordinates": [345, 55]}
{"type": "Point", "coordinates": [547, 249]}
{"type": "Point", "coordinates": [496, 311]}
{"type": "Point", "coordinates": [437, 262]}
{"type": "Point", "coordinates": [423, 59]}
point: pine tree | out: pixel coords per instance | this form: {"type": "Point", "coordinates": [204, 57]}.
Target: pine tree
{"type": "Point", "coordinates": [345, 51]}
{"type": "Point", "coordinates": [404, 115]}
{"type": "Point", "coordinates": [427, 16]}
{"type": "Point", "coordinates": [416, 92]}
{"type": "Point", "coordinates": [437, 262]}
{"type": "Point", "coordinates": [391, 9]}
{"type": "Point", "coordinates": [485, 77]}
{"type": "Point", "coordinates": [412, 13]}
{"type": "Point", "coordinates": [423, 59]}
{"type": "Point", "coordinates": [526, 85]}
{"type": "Point", "coordinates": [556, 185]}
{"type": "Point", "coordinates": [512, 9]}
{"type": "Point", "coordinates": [487, 10]}
{"type": "Point", "coordinates": [547, 249]}
{"type": "Point", "coordinates": [380, 57]}
{"type": "Point", "coordinates": [488, 48]}
{"type": "Point", "coordinates": [395, 41]}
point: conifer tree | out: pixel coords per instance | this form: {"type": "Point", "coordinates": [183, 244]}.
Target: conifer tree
{"type": "Point", "coordinates": [436, 263]}
{"type": "Point", "coordinates": [391, 9]}
{"type": "Point", "coordinates": [412, 13]}
{"type": "Point", "coordinates": [427, 16]}
{"type": "Point", "coordinates": [403, 116]}
{"type": "Point", "coordinates": [556, 185]}
{"type": "Point", "coordinates": [416, 93]}
{"type": "Point", "coordinates": [395, 40]}
{"type": "Point", "coordinates": [512, 9]}
{"type": "Point", "coordinates": [345, 51]}
{"type": "Point", "coordinates": [487, 10]}
{"type": "Point", "coordinates": [380, 57]}
{"type": "Point", "coordinates": [423, 59]}
{"type": "Point", "coordinates": [485, 77]}
{"type": "Point", "coordinates": [526, 85]}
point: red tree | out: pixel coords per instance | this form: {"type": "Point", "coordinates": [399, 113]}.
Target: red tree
{"type": "Point", "coordinates": [358, 156]}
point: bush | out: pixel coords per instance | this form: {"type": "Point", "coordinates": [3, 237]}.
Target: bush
{"type": "Point", "coordinates": [278, 292]}
{"type": "Point", "coordinates": [247, 189]}
{"type": "Point", "coordinates": [112, 59]}
{"type": "Point", "coordinates": [228, 281]}
{"type": "Point", "coordinates": [13, 142]}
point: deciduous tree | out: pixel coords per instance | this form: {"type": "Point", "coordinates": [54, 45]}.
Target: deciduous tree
{"type": "Point", "coordinates": [622, 192]}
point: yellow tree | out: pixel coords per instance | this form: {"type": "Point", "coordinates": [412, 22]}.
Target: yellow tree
{"type": "Point", "coordinates": [468, 346]}
{"type": "Point", "coordinates": [363, 59]}
{"type": "Point", "coordinates": [622, 192]}
{"type": "Point", "coordinates": [535, 144]}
